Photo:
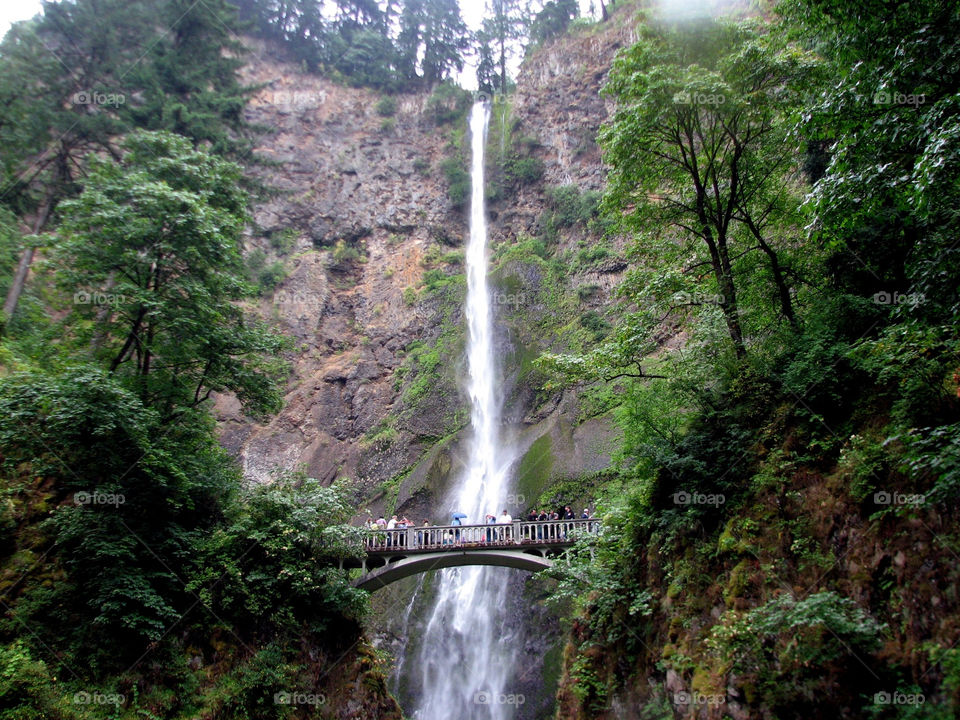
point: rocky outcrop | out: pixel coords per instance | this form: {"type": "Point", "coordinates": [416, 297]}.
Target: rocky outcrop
{"type": "Point", "coordinates": [358, 202]}
{"type": "Point", "coordinates": [358, 212]}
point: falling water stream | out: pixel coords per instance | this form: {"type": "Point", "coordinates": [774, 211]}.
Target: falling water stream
{"type": "Point", "coordinates": [466, 656]}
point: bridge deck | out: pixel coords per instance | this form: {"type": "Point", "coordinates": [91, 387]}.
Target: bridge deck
{"type": "Point", "coordinates": [525, 533]}
{"type": "Point", "coordinates": [526, 545]}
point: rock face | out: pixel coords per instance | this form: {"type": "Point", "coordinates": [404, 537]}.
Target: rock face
{"type": "Point", "coordinates": [359, 212]}
{"type": "Point", "coordinates": [357, 219]}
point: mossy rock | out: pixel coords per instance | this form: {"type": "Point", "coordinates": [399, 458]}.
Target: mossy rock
{"type": "Point", "coordinates": [534, 471]}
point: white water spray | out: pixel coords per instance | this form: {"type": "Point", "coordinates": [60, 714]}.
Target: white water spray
{"type": "Point", "coordinates": [466, 655]}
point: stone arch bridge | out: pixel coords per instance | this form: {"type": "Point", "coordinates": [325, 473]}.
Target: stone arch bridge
{"type": "Point", "coordinates": [527, 545]}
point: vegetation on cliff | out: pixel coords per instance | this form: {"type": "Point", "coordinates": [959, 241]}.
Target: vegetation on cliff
{"type": "Point", "coordinates": [779, 539]}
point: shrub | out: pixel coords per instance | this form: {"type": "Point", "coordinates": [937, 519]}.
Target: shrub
{"type": "Point", "coordinates": [293, 531]}
{"type": "Point", "coordinates": [449, 103]}
{"type": "Point", "coordinates": [345, 253]}
{"type": "Point", "coordinates": [458, 181]}
{"type": "Point", "coordinates": [568, 206]}
{"type": "Point", "coordinates": [284, 240]}
{"type": "Point", "coordinates": [387, 106]}
{"type": "Point", "coordinates": [422, 166]}
{"type": "Point", "coordinates": [786, 635]}
{"type": "Point", "coordinates": [524, 170]}
{"type": "Point", "coordinates": [271, 276]}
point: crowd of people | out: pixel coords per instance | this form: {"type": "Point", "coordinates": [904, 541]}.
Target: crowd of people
{"type": "Point", "coordinates": [451, 534]}
{"type": "Point", "coordinates": [458, 519]}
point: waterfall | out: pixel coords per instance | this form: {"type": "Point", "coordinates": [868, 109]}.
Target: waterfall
{"type": "Point", "coordinates": [467, 655]}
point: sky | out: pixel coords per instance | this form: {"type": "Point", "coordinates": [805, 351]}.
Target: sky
{"type": "Point", "coordinates": [13, 10]}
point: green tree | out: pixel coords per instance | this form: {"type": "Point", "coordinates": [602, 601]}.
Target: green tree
{"type": "Point", "coordinates": [553, 19]}
{"type": "Point", "coordinates": [86, 72]}
{"type": "Point", "coordinates": [294, 531]}
{"type": "Point", "coordinates": [131, 495]}
{"type": "Point", "coordinates": [432, 40]}
{"type": "Point", "coordinates": [699, 146]}
{"type": "Point", "coordinates": [152, 254]}
{"type": "Point", "coordinates": [505, 25]}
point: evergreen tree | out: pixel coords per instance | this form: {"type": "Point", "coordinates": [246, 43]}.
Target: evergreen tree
{"type": "Point", "coordinates": [488, 80]}
{"type": "Point", "coordinates": [506, 26]}
{"type": "Point", "coordinates": [432, 36]}
{"type": "Point", "coordinates": [87, 72]}
{"type": "Point", "coordinates": [553, 19]}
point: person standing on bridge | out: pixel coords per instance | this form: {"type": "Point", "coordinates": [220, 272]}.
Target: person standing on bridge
{"type": "Point", "coordinates": [489, 520]}
{"type": "Point", "coordinates": [505, 519]}
{"type": "Point", "coordinates": [458, 518]}
{"type": "Point", "coordinates": [542, 517]}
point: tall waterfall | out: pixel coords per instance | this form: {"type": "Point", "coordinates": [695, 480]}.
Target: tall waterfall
{"type": "Point", "coordinates": [466, 657]}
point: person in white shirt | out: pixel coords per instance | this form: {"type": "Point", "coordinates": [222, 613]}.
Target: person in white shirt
{"type": "Point", "coordinates": [504, 519]}
{"type": "Point", "coordinates": [391, 525]}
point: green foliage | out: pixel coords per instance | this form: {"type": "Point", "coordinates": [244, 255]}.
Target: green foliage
{"type": "Point", "coordinates": [274, 558]}
{"type": "Point", "coordinates": [701, 105]}
{"type": "Point", "coordinates": [523, 170]}
{"type": "Point", "coordinates": [422, 166]}
{"type": "Point", "coordinates": [448, 104]}
{"type": "Point", "coordinates": [345, 253]}
{"type": "Point", "coordinates": [387, 106]}
{"type": "Point", "coordinates": [458, 181]}
{"type": "Point", "coordinates": [26, 691]}
{"type": "Point", "coordinates": [284, 240]}
{"type": "Point", "coordinates": [136, 497]}
{"type": "Point", "coordinates": [772, 647]}
{"type": "Point", "coordinates": [553, 20]}
{"type": "Point", "coordinates": [594, 323]}
{"type": "Point", "coordinates": [569, 206]}
{"type": "Point", "coordinates": [152, 256]}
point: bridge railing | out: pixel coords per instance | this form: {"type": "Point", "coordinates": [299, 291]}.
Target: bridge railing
{"type": "Point", "coordinates": [440, 537]}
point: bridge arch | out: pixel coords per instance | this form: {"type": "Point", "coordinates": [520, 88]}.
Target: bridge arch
{"type": "Point", "coordinates": [424, 562]}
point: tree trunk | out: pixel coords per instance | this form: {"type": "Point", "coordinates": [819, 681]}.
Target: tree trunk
{"type": "Point", "coordinates": [786, 302]}
{"type": "Point", "coordinates": [604, 15]}
{"type": "Point", "coordinates": [503, 65]}
{"type": "Point", "coordinates": [722, 272]}
{"type": "Point", "coordinates": [23, 267]}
